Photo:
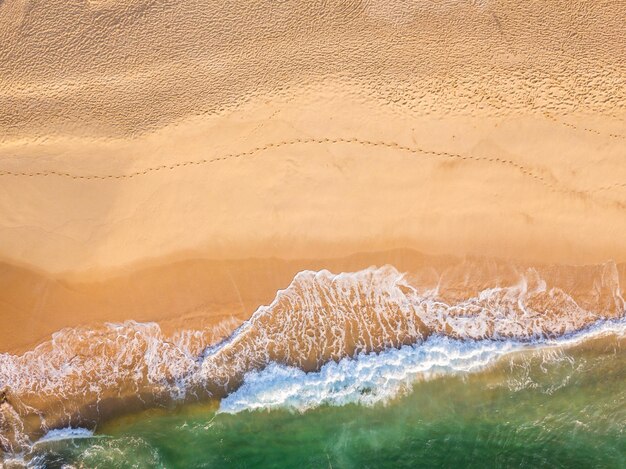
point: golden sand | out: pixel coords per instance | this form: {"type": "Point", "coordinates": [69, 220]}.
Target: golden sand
{"type": "Point", "coordinates": [173, 162]}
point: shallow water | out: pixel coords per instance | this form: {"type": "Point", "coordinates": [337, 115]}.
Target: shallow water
{"type": "Point", "coordinates": [548, 406]}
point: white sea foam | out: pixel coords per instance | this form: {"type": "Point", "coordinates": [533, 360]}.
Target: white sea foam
{"type": "Point", "coordinates": [68, 433]}
{"type": "Point", "coordinates": [376, 378]}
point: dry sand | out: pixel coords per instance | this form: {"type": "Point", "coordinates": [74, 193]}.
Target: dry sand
{"type": "Point", "coordinates": [167, 161]}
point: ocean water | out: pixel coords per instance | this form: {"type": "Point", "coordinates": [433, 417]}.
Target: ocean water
{"type": "Point", "coordinates": [553, 405]}
{"type": "Point", "coordinates": [351, 370]}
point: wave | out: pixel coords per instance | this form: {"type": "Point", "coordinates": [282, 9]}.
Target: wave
{"type": "Point", "coordinates": [367, 379]}
{"type": "Point", "coordinates": [68, 433]}
{"type": "Point", "coordinates": [374, 378]}
{"type": "Point", "coordinates": [84, 375]}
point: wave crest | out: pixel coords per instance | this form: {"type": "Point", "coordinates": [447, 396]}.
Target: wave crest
{"type": "Point", "coordinates": [377, 378]}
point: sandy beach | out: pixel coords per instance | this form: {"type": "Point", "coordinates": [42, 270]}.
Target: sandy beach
{"type": "Point", "coordinates": [288, 181]}
{"type": "Point", "coordinates": [186, 164]}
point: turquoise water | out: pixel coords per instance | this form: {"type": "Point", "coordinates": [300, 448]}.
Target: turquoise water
{"type": "Point", "coordinates": [540, 408]}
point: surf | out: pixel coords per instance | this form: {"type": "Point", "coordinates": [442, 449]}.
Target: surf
{"type": "Point", "coordinates": [354, 337]}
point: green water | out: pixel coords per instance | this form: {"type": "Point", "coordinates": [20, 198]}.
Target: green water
{"type": "Point", "coordinates": [536, 409]}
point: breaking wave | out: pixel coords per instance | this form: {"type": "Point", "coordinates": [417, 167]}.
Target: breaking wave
{"type": "Point", "coordinates": [378, 328]}
{"type": "Point", "coordinates": [373, 378]}
{"type": "Point", "coordinates": [68, 433]}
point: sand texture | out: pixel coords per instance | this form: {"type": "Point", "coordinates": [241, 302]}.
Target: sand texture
{"type": "Point", "coordinates": [182, 161]}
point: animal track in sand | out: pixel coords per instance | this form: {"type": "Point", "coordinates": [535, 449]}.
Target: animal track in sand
{"type": "Point", "coordinates": [526, 171]}
{"type": "Point", "coordinates": [586, 129]}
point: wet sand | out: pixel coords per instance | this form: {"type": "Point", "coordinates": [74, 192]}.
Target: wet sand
{"type": "Point", "coordinates": [203, 294]}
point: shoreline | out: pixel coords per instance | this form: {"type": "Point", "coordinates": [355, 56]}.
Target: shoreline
{"type": "Point", "coordinates": [297, 204]}
{"type": "Point", "coordinates": [202, 293]}
{"type": "Point", "coordinates": [114, 411]}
